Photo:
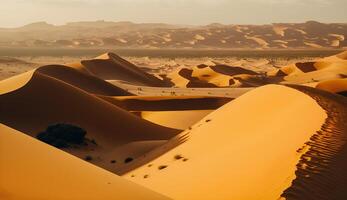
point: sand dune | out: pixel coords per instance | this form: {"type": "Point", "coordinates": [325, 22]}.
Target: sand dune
{"type": "Point", "coordinates": [320, 172]}
{"type": "Point", "coordinates": [40, 103]}
{"type": "Point", "coordinates": [112, 67]}
{"type": "Point", "coordinates": [228, 139]}
{"type": "Point", "coordinates": [33, 170]}
{"type": "Point", "coordinates": [210, 76]}
{"type": "Point", "coordinates": [333, 67]}
{"type": "Point", "coordinates": [230, 149]}
{"type": "Point", "coordinates": [338, 86]}
{"type": "Point", "coordinates": [15, 82]}
{"type": "Point", "coordinates": [86, 82]}
{"type": "Point", "coordinates": [110, 35]}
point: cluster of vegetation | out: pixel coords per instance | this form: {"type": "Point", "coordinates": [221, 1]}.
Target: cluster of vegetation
{"type": "Point", "coordinates": [62, 135]}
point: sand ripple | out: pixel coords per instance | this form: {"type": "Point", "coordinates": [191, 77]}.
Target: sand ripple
{"type": "Point", "coordinates": [321, 172]}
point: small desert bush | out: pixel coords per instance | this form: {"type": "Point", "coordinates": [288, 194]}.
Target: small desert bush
{"type": "Point", "coordinates": [62, 135]}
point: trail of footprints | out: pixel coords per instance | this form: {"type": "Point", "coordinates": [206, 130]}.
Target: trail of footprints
{"type": "Point", "coordinates": [177, 157]}
{"type": "Point", "coordinates": [162, 167]}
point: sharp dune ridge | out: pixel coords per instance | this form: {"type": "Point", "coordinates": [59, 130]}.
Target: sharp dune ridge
{"type": "Point", "coordinates": [279, 134]}
{"type": "Point", "coordinates": [319, 172]}
{"type": "Point", "coordinates": [112, 67]}
{"type": "Point", "coordinates": [86, 82]}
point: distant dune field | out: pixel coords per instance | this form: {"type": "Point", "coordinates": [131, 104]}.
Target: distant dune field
{"type": "Point", "coordinates": [103, 34]}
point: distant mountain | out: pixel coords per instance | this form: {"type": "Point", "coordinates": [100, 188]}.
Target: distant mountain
{"type": "Point", "coordinates": [105, 34]}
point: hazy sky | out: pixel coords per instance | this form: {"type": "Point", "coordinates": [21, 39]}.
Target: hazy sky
{"type": "Point", "coordinates": [19, 12]}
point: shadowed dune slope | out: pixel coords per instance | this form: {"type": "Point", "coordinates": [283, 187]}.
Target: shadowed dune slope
{"type": "Point", "coordinates": [237, 150]}
{"type": "Point", "coordinates": [81, 80]}
{"type": "Point", "coordinates": [211, 76]}
{"type": "Point", "coordinates": [45, 100]}
{"type": "Point", "coordinates": [33, 170]}
{"type": "Point", "coordinates": [177, 112]}
{"type": "Point", "coordinates": [168, 103]}
{"type": "Point", "coordinates": [112, 67]}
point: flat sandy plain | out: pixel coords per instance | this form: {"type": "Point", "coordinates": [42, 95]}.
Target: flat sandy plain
{"type": "Point", "coordinates": [159, 127]}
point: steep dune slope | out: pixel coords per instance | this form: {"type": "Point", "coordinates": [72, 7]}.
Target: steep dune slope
{"type": "Point", "coordinates": [112, 67]}
{"type": "Point", "coordinates": [33, 170]}
{"type": "Point", "coordinates": [84, 81]}
{"type": "Point", "coordinates": [41, 98]}
{"type": "Point", "coordinates": [45, 101]}
{"type": "Point", "coordinates": [238, 151]}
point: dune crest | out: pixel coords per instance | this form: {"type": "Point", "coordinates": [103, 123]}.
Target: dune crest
{"type": "Point", "coordinates": [110, 66]}
{"type": "Point", "coordinates": [15, 82]}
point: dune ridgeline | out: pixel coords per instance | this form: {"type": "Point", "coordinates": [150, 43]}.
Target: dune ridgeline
{"type": "Point", "coordinates": [275, 135]}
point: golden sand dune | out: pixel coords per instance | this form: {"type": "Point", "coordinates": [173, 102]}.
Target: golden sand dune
{"type": "Point", "coordinates": [86, 82]}
{"type": "Point", "coordinates": [321, 170]}
{"type": "Point", "coordinates": [221, 75]}
{"type": "Point", "coordinates": [335, 86]}
{"type": "Point", "coordinates": [15, 82]}
{"type": "Point", "coordinates": [238, 151]}
{"type": "Point", "coordinates": [273, 142]}
{"type": "Point", "coordinates": [112, 67]}
{"type": "Point", "coordinates": [45, 101]}
{"type": "Point", "coordinates": [33, 170]}
{"type": "Point", "coordinates": [333, 67]}
{"type": "Point", "coordinates": [210, 76]}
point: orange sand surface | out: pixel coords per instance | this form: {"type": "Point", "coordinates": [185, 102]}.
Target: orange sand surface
{"type": "Point", "coordinates": [207, 130]}
{"type": "Point", "coordinates": [33, 170]}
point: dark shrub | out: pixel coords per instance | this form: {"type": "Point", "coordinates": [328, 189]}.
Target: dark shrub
{"type": "Point", "coordinates": [62, 135]}
{"type": "Point", "coordinates": [127, 160]}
